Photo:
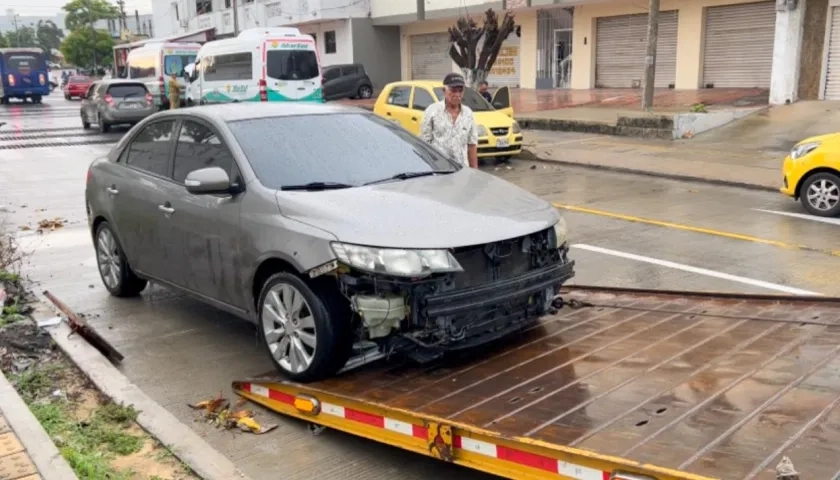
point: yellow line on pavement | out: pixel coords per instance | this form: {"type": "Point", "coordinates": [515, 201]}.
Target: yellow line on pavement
{"type": "Point", "coordinates": [689, 228]}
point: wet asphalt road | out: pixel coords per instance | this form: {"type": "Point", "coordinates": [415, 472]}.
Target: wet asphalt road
{"type": "Point", "coordinates": [179, 351]}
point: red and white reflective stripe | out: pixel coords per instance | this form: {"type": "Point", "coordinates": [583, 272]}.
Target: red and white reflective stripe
{"type": "Point", "coordinates": [466, 444]}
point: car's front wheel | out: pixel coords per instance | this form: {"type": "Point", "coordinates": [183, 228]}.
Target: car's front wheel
{"type": "Point", "coordinates": [365, 91]}
{"type": "Point", "coordinates": [299, 330]}
{"type": "Point", "coordinates": [114, 269]}
{"type": "Point", "coordinates": [820, 194]}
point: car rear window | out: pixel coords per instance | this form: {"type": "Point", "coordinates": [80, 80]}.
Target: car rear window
{"type": "Point", "coordinates": [133, 90]}
{"type": "Point", "coordinates": [80, 79]}
{"type": "Point", "coordinates": [351, 148]}
{"type": "Point", "coordinates": [22, 63]}
{"type": "Point", "coordinates": [292, 64]}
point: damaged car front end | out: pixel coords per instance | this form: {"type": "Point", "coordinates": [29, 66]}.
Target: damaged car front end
{"type": "Point", "coordinates": [424, 303]}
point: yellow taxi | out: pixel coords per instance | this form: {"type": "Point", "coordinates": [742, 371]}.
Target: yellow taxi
{"type": "Point", "coordinates": [498, 133]}
{"type": "Point", "coordinates": [811, 174]}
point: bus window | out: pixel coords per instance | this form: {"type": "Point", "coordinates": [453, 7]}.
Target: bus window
{"type": "Point", "coordinates": [24, 63]}
{"type": "Point", "coordinates": [176, 63]}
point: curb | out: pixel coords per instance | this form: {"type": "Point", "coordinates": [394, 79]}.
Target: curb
{"type": "Point", "coordinates": [527, 154]}
{"type": "Point", "coordinates": [207, 462]}
{"type": "Point", "coordinates": [35, 440]}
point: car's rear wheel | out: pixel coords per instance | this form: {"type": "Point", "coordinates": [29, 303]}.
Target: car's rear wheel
{"type": "Point", "coordinates": [365, 91]}
{"type": "Point", "coordinates": [67, 97]}
{"type": "Point", "coordinates": [85, 123]}
{"type": "Point", "coordinates": [114, 269]}
{"type": "Point", "coordinates": [302, 334]}
{"type": "Point", "coordinates": [820, 194]}
{"type": "Point", "coordinates": [104, 127]}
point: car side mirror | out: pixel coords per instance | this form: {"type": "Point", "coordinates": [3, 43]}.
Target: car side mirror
{"type": "Point", "coordinates": [498, 105]}
{"type": "Point", "coordinates": [208, 180]}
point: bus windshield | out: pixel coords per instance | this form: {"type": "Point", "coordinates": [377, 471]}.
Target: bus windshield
{"type": "Point", "coordinates": [23, 63]}
{"type": "Point", "coordinates": [176, 63]}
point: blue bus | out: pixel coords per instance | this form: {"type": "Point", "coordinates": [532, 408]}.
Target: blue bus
{"type": "Point", "coordinates": [23, 74]}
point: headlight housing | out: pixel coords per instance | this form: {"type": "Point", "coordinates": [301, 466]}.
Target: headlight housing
{"type": "Point", "coordinates": [482, 132]}
{"type": "Point", "coordinates": [515, 128]}
{"type": "Point", "coordinates": [561, 231]}
{"type": "Point", "coordinates": [801, 150]}
{"type": "Point", "coordinates": [398, 262]}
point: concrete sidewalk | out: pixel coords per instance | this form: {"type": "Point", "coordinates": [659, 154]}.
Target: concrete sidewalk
{"type": "Point", "coordinates": [26, 451]}
{"type": "Point", "coordinates": [756, 169]}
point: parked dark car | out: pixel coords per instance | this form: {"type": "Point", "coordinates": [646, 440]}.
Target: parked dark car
{"type": "Point", "coordinates": [347, 81]}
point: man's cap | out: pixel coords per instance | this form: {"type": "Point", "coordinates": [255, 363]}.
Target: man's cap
{"type": "Point", "coordinates": [454, 80]}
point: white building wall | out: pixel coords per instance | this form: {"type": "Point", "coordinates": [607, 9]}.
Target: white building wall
{"type": "Point", "coordinates": [787, 46]}
{"type": "Point", "coordinates": [163, 18]}
{"type": "Point", "coordinates": [388, 8]}
{"type": "Point", "coordinates": [343, 41]}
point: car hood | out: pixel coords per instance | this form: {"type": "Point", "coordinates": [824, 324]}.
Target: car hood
{"type": "Point", "coordinates": [492, 119]}
{"type": "Point", "coordinates": [468, 207]}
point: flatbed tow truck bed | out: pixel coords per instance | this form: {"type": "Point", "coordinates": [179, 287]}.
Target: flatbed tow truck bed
{"type": "Point", "coordinates": [619, 384]}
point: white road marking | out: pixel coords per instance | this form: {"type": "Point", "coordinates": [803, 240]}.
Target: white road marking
{"type": "Point", "coordinates": [813, 218]}
{"type": "Point", "coordinates": [697, 270]}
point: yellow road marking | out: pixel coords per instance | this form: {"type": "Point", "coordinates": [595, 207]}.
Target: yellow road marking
{"type": "Point", "coordinates": [689, 228]}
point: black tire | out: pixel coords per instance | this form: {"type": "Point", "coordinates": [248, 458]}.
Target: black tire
{"type": "Point", "coordinates": [67, 97]}
{"type": "Point", "coordinates": [37, 99]}
{"type": "Point", "coordinates": [85, 123]}
{"type": "Point", "coordinates": [103, 125]}
{"type": "Point", "coordinates": [128, 284]}
{"type": "Point", "coordinates": [365, 91]}
{"type": "Point", "coordinates": [334, 344]}
{"type": "Point", "coordinates": [821, 182]}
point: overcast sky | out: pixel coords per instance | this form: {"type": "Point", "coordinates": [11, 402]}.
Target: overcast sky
{"type": "Point", "coordinates": [48, 8]}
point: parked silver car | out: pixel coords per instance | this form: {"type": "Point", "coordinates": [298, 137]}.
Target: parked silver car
{"type": "Point", "coordinates": [342, 236]}
{"type": "Point", "coordinates": [114, 101]}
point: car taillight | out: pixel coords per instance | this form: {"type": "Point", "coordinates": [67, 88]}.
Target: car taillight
{"type": "Point", "coordinates": [109, 99]}
{"type": "Point", "coordinates": [263, 91]}
{"type": "Point", "coordinates": [41, 79]}
{"type": "Point", "coordinates": [11, 80]}
{"type": "Point", "coordinates": [149, 98]}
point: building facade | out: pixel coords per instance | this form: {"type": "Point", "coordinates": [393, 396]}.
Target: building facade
{"type": "Point", "coordinates": [789, 47]}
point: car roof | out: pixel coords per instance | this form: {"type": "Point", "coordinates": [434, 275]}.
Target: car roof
{"type": "Point", "coordinates": [231, 112]}
{"type": "Point", "coordinates": [119, 81]}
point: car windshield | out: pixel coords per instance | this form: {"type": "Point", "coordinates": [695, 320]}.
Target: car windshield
{"type": "Point", "coordinates": [131, 90]}
{"type": "Point", "coordinates": [291, 64]}
{"type": "Point", "coordinates": [349, 148]}
{"type": "Point", "coordinates": [176, 63]}
{"type": "Point", "coordinates": [471, 98]}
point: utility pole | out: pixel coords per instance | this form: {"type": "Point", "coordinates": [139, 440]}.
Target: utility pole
{"type": "Point", "coordinates": [650, 55]}
{"type": "Point", "coordinates": [123, 25]}
{"type": "Point", "coordinates": [235, 19]}
{"type": "Point", "coordinates": [137, 20]}
{"type": "Point", "coordinates": [93, 34]}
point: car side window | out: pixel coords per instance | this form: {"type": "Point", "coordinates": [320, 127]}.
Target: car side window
{"type": "Point", "coordinates": [399, 96]}
{"type": "Point", "coordinates": [199, 147]}
{"type": "Point", "coordinates": [100, 90]}
{"type": "Point", "coordinates": [91, 89]}
{"type": "Point", "coordinates": [422, 99]}
{"type": "Point", "coordinates": [347, 71]}
{"type": "Point", "coordinates": [149, 150]}
{"type": "Point", "coordinates": [331, 74]}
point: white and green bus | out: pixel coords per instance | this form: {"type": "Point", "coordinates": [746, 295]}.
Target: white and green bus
{"type": "Point", "coordinates": [154, 62]}
{"type": "Point", "coordinates": [259, 65]}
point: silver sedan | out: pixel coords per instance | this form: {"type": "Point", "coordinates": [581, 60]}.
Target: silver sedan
{"type": "Point", "coordinates": [345, 238]}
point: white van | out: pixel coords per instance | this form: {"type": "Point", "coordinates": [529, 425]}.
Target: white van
{"type": "Point", "coordinates": [259, 65]}
{"type": "Point", "coordinates": [154, 62]}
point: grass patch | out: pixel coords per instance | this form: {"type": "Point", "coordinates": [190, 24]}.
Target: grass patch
{"type": "Point", "coordinates": [99, 439]}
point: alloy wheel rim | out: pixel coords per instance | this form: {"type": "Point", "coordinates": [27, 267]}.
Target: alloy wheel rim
{"type": "Point", "coordinates": [823, 194]}
{"type": "Point", "coordinates": [108, 258]}
{"type": "Point", "coordinates": [366, 92]}
{"type": "Point", "coordinates": [289, 328]}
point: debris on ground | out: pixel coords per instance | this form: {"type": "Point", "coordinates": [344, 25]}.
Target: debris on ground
{"type": "Point", "coordinates": [78, 325]}
{"type": "Point", "coordinates": [51, 224]}
{"type": "Point", "coordinates": [99, 438]}
{"type": "Point", "coordinates": [15, 301]}
{"type": "Point", "coordinates": [217, 411]}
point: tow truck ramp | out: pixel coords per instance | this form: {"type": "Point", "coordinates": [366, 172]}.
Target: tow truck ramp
{"type": "Point", "coordinates": [619, 384]}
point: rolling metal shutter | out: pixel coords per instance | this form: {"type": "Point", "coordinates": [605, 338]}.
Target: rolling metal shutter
{"type": "Point", "coordinates": [738, 51]}
{"type": "Point", "coordinates": [832, 71]}
{"type": "Point", "coordinates": [620, 46]}
{"type": "Point", "coordinates": [430, 56]}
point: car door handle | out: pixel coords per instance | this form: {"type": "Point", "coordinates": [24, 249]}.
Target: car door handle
{"type": "Point", "coordinates": [166, 209]}
{"type": "Point", "coordinates": [413, 119]}
{"type": "Point", "coordinates": [388, 113]}
{"type": "Point", "coordinates": [112, 190]}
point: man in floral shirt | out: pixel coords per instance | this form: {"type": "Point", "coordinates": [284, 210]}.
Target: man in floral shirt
{"type": "Point", "coordinates": [450, 126]}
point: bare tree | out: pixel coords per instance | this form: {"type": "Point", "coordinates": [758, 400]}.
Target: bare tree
{"type": "Point", "coordinates": [465, 37]}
